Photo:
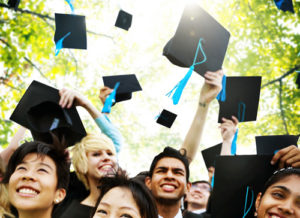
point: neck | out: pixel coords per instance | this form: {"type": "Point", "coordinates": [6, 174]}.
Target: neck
{"type": "Point", "coordinates": [168, 211]}
{"type": "Point", "coordinates": [193, 207]}
{"type": "Point", "coordinates": [94, 193]}
{"type": "Point", "coordinates": [36, 213]}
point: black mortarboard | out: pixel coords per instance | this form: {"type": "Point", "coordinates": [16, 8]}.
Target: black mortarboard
{"type": "Point", "coordinates": [13, 4]}
{"type": "Point", "coordinates": [196, 23]}
{"type": "Point", "coordinates": [242, 98]}
{"type": "Point", "coordinates": [210, 154]}
{"type": "Point", "coordinates": [166, 118]}
{"type": "Point", "coordinates": [233, 176]}
{"type": "Point", "coordinates": [128, 84]}
{"type": "Point", "coordinates": [124, 20]}
{"type": "Point", "coordinates": [271, 144]}
{"type": "Point", "coordinates": [39, 111]}
{"type": "Point", "coordinates": [73, 24]}
{"type": "Point", "coordinates": [285, 5]}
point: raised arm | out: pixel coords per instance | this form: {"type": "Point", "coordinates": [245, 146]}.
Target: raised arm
{"type": "Point", "coordinates": [209, 91]}
{"type": "Point", "coordinates": [228, 129]}
{"type": "Point", "coordinates": [70, 97]}
{"type": "Point", "coordinates": [13, 145]}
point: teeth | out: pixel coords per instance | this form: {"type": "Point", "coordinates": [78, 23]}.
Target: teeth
{"type": "Point", "coordinates": [106, 167]}
{"type": "Point", "coordinates": [168, 187]}
{"type": "Point", "coordinates": [27, 191]}
{"type": "Point", "coordinates": [274, 216]}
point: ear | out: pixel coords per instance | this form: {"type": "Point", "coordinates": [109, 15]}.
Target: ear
{"type": "Point", "coordinates": [257, 202]}
{"type": "Point", "coordinates": [60, 194]}
{"type": "Point", "coordinates": [148, 182]}
{"type": "Point", "coordinates": [188, 187]}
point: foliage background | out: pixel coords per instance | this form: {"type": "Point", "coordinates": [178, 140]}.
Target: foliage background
{"type": "Point", "coordinates": [264, 41]}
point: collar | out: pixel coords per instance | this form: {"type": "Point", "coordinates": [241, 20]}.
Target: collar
{"type": "Point", "coordinates": [199, 211]}
{"type": "Point", "coordinates": [178, 215]}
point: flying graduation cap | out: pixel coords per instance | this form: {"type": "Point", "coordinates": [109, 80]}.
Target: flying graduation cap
{"type": "Point", "coordinates": [237, 181]}
{"type": "Point", "coordinates": [284, 5]}
{"type": "Point", "coordinates": [210, 154]}
{"type": "Point", "coordinates": [271, 144]}
{"type": "Point", "coordinates": [13, 4]}
{"type": "Point", "coordinates": [128, 84]}
{"type": "Point", "coordinates": [70, 32]}
{"type": "Point", "coordinates": [39, 111]}
{"type": "Point", "coordinates": [124, 20]}
{"type": "Point", "coordinates": [242, 98]}
{"type": "Point", "coordinates": [196, 24]}
{"type": "Point", "coordinates": [166, 118]}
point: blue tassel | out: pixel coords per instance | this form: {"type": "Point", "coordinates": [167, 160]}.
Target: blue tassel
{"type": "Point", "coordinates": [110, 99]}
{"type": "Point", "coordinates": [182, 83]}
{"type": "Point", "coordinates": [180, 86]}
{"type": "Point", "coordinates": [243, 105]}
{"type": "Point", "coordinates": [246, 211]}
{"type": "Point", "coordinates": [212, 181]}
{"type": "Point", "coordinates": [233, 144]}
{"type": "Point", "coordinates": [222, 94]}
{"type": "Point", "coordinates": [59, 44]}
{"type": "Point", "coordinates": [70, 2]}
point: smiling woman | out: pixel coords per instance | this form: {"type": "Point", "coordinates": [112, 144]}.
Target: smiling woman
{"type": "Point", "coordinates": [37, 176]}
{"type": "Point", "coordinates": [281, 195]}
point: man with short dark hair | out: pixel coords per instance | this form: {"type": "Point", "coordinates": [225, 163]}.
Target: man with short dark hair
{"type": "Point", "coordinates": [197, 197]}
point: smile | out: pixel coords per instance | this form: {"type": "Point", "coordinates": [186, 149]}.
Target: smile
{"type": "Point", "coordinates": [27, 191]}
{"type": "Point", "coordinates": [168, 187]}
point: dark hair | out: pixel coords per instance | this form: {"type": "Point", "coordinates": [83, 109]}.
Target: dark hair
{"type": "Point", "coordinates": [140, 193]}
{"type": "Point", "coordinates": [58, 156]}
{"type": "Point", "coordinates": [171, 152]}
{"type": "Point", "coordinates": [280, 175]}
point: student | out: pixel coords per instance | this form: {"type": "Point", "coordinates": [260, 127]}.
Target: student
{"type": "Point", "coordinates": [123, 197]}
{"type": "Point", "coordinates": [37, 176]}
{"type": "Point", "coordinates": [280, 196]}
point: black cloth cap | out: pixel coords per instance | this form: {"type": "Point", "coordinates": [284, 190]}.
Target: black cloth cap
{"type": "Point", "coordinates": [242, 98]}
{"type": "Point", "coordinates": [124, 20]}
{"type": "Point", "coordinates": [196, 23]}
{"type": "Point", "coordinates": [128, 84]}
{"type": "Point", "coordinates": [233, 174]}
{"type": "Point", "coordinates": [13, 4]}
{"type": "Point", "coordinates": [272, 143]}
{"type": "Point", "coordinates": [75, 24]}
{"type": "Point", "coordinates": [210, 154]}
{"type": "Point", "coordinates": [39, 111]}
{"type": "Point", "coordinates": [166, 118]}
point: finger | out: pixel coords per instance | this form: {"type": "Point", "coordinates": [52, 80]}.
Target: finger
{"type": "Point", "coordinates": [281, 153]}
{"type": "Point", "coordinates": [295, 160]}
{"type": "Point", "coordinates": [287, 157]}
{"type": "Point", "coordinates": [235, 120]}
{"type": "Point", "coordinates": [67, 99]}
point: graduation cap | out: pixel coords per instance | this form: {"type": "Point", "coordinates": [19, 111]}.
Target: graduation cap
{"type": "Point", "coordinates": [284, 5]}
{"type": "Point", "coordinates": [210, 154]}
{"type": "Point", "coordinates": [271, 144]}
{"type": "Point", "coordinates": [13, 4]}
{"type": "Point", "coordinates": [128, 84]}
{"type": "Point", "coordinates": [39, 111]}
{"type": "Point", "coordinates": [70, 31]}
{"type": "Point", "coordinates": [238, 180]}
{"type": "Point", "coordinates": [242, 98]}
{"type": "Point", "coordinates": [124, 20]}
{"type": "Point", "coordinates": [196, 24]}
{"type": "Point", "coordinates": [166, 118]}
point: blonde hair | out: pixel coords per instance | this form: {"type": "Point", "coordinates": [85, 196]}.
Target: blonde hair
{"type": "Point", "coordinates": [91, 142]}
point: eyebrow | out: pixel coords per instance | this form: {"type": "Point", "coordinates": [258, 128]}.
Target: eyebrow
{"type": "Point", "coordinates": [124, 207]}
{"type": "Point", "coordinates": [173, 169]}
{"type": "Point", "coordinates": [282, 187]}
{"type": "Point", "coordinates": [42, 163]}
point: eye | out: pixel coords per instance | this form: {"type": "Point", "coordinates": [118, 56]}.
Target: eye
{"type": "Point", "coordinates": [101, 211]}
{"type": "Point", "coordinates": [96, 154]}
{"type": "Point", "coordinates": [109, 153]}
{"type": "Point", "coordinates": [278, 195]}
{"type": "Point", "coordinates": [43, 170]}
{"type": "Point", "coordinates": [20, 168]}
{"type": "Point", "coordinates": [125, 215]}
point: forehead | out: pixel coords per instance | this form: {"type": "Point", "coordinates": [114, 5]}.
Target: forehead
{"type": "Point", "coordinates": [200, 185]}
{"type": "Point", "coordinates": [170, 162]}
{"type": "Point", "coordinates": [291, 182]}
{"type": "Point", "coordinates": [35, 158]}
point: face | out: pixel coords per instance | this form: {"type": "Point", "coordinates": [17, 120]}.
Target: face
{"type": "Point", "coordinates": [168, 180]}
{"type": "Point", "coordinates": [281, 200]}
{"type": "Point", "coordinates": [198, 195]}
{"type": "Point", "coordinates": [101, 163]}
{"type": "Point", "coordinates": [118, 202]}
{"type": "Point", "coordinates": [33, 185]}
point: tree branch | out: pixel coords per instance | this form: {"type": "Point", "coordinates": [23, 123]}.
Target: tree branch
{"type": "Point", "coordinates": [284, 75]}
{"type": "Point", "coordinates": [281, 108]}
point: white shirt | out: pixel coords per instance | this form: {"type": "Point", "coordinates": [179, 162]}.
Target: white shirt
{"type": "Point", "coordinates": [178, 215]}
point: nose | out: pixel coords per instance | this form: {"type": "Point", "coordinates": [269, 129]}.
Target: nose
{"type": "Point", "coordinates": [169, 174]}
{"type": "Point", "coordinates": [287, 207]}
{"type": "Point", "coordinates": [28, 176]}
{"type": "Point", "coordinates": [105, 157]}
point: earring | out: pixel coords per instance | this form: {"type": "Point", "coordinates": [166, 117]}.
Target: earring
{"type": "Point", "coordinates": [255, 213]}
{"type": "Point", "coordinates": [56, 201]}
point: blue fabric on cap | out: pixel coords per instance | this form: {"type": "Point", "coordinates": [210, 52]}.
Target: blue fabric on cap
{"type": "Point", "coordinates": [59, 44]}
{"type": "Point", "coordinates": [110, 99]}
